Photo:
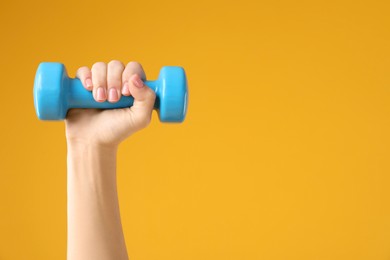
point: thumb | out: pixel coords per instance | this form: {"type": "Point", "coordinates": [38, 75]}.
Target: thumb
{"type": "Point", "coordinates": [144, 99]}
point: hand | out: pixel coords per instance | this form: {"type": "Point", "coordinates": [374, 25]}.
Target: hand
{"type": "Point", "coordinates": [109, 82]}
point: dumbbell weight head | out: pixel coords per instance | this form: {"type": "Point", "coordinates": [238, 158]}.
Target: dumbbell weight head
{"type": "Point", "coordinates": [55, 93]}
{"type": "Point", "coordinates": [172, 94]}
{"type": "Point", "coordinates": [50, 98]}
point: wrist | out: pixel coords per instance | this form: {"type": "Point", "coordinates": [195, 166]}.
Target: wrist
{"type": "Point", "coordinates": [78, 145]}
{"type": "Point", "coordinates": [91, 159]}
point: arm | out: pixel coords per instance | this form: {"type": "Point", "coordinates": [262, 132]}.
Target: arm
{"type": "Point", "coordinates": [94, 224]}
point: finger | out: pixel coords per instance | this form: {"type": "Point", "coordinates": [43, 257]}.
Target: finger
{"type": "Point", "coordinates": [85, 76]}
{"type": "Point", "coordinates": [131, 69]}
{"type": "Point", "coordinates": [144, 98]}
{"type": "Point", "coordinates": [99, 81]}
{"type": "Point", "coordinates": [114, 80]}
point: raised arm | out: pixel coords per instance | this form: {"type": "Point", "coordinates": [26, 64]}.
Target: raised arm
{"type": "Point", "coordinates": [94, 223]}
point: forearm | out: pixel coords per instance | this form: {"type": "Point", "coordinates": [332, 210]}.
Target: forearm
{"type": "Point", "coordinates": [94, 225]}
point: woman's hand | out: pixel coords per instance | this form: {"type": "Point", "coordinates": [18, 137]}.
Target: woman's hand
{"type": "Point", "coordinates": [107, 83]}
{"type": "Point", "coordinates": [94, 225]}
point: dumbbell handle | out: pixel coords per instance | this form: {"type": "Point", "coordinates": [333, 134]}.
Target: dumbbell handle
{"type": "Point", "coordinates": [79, 97]}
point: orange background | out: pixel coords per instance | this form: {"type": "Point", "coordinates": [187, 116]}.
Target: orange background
{"type": "Point", "coordinates": [284, 153]}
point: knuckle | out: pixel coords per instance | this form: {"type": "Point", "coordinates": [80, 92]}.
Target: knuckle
{"type": "Point", "coordinates": [150, 94]}
{"type": "Point", "coordinates": [99, 85]}
{"type": "Point", "coordinates": [115, 64]}
{"type": "Point", "coordinates": [140, 119]}
{"type": "Point", "coordinates": [113, 83]}
{"type": "Point", "coordinates": [82, 71]}
{"type": "Point", "coordinates": [134, 65]}
{"type": "Point", "coordinates": [98, 65]}
{"type": "Point", "coordinates": [144, 121]}
{"type": "Point", "coordinates": [99, 82]}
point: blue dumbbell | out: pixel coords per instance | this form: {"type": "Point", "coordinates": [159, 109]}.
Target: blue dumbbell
{"type": "Point", "coordinates": [55, 93]}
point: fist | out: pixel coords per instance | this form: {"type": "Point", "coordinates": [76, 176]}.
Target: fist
{"type": "Point", "coordinates": [108, 82]}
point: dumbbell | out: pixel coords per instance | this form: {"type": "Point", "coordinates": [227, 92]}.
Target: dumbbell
{"type": "Point", "coordinates": [55, 93]}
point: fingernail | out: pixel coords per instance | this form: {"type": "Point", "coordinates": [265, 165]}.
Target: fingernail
{"type": "Point", "coordinates": [88, 83]}
{"type": "Point", "coordinates": [138, 82]}
{"type": "Point", "coordinates": [125, 89]}
{"type": "Point", "coordinates": [113, 94]}
{"type": "Point", "coordinates": [100, 94]}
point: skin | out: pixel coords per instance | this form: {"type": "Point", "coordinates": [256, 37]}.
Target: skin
{"type": "Point", "coordinates": [93, 136]}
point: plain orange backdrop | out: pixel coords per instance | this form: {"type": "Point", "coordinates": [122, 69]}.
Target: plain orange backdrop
{"type": "Point", "coordinates": [285, 151]}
